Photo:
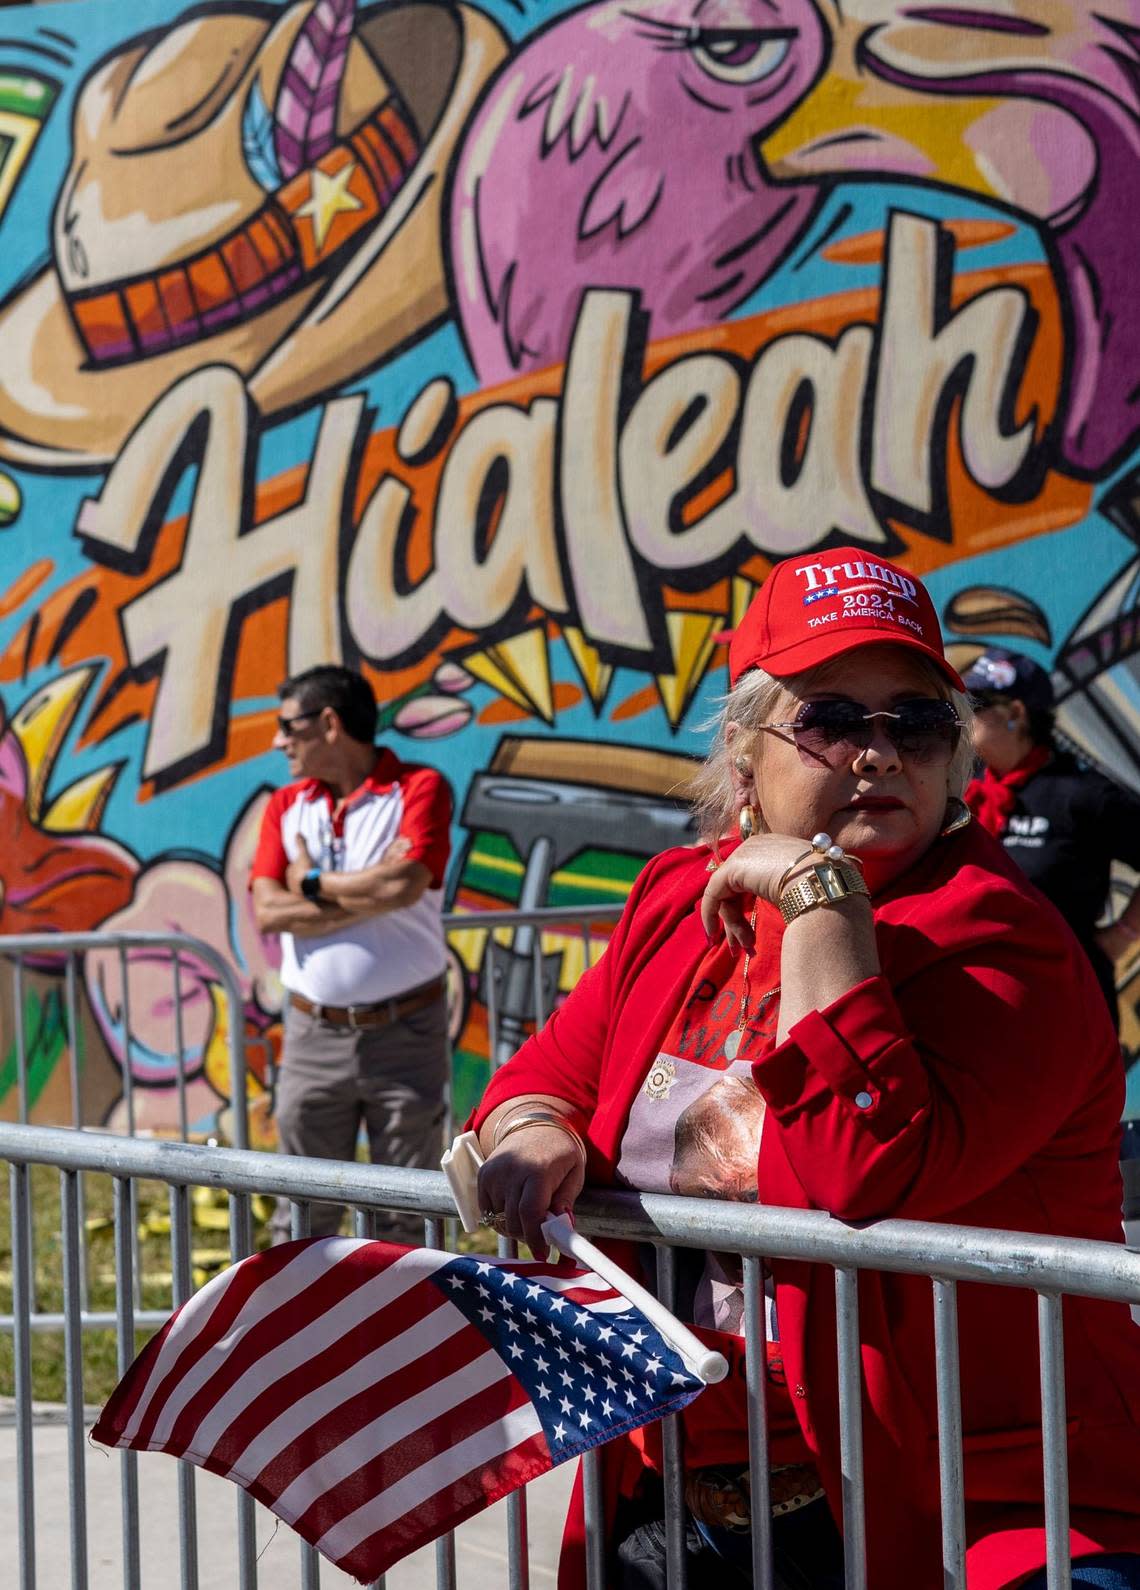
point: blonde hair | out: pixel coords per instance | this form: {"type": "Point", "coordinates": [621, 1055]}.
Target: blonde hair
{"type": "Point", "coordinates": [758, 698]}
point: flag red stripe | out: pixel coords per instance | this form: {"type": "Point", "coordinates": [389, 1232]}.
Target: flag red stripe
{"type": "Point", "coordinates": [447, 1430]}
{"type": "Point", "coordinates": [447, 1509]}
{"type": "Point", "coordinates": [348, 1275]}
{"type": "Point", "coordinates": [341, 1423]}
{"type": "Point", "coordinates": [239, 1286]}
{"type": "Point", "coordinates": [327, 1360]}
{"type": "Point", "coordinates": [401, 1424]}
{"type": "Point", "coordinates": [122, 1402]}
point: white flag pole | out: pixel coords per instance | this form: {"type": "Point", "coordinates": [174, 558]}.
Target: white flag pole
{"type": "Point", "coordinates": [702, 1361]}
{"type": "Point", "coordinates": [461, 1167]}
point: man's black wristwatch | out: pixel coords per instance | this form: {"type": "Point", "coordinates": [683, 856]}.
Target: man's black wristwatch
{"type": "Point", "coordinates": [311, 885]}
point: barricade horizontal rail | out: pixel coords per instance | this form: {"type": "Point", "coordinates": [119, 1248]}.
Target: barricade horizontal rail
{"type": "Point", "coordinates": [946, 1255]}
{"type": "Point", "coordinates": [960, 1253]}
{"type": "Point", "coordinates": [552, 917]}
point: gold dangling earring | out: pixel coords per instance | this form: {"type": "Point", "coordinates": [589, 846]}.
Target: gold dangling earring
{"type": "Point", "coordinates": [746, 821]}
{"type": "Point", "coordinates": [958, 815]}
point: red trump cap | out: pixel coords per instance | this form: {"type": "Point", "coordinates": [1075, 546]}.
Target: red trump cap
{"type": "Point", "coordinates": [819, 605]}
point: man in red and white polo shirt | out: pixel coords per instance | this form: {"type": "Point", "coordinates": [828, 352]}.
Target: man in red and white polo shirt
{"type": "Point", "coordinates": [349, 871]}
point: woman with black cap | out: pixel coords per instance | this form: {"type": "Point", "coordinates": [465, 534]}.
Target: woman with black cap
{"type": "Point", "coordinates": [1063, 823]}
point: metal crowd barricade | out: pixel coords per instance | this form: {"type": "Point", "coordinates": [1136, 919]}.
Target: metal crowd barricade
{"type": "Point", "coordinates": [519, 980]}
{"type": "Point", "coordinates": [19, 949]}
{"type": "Point", "coordinates": [1051, 1267]}
{"type": "Point", "coordinates": [519, 976]}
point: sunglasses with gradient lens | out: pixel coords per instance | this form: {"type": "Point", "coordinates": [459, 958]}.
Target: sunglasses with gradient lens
{"type": "Point", "coordinates": [925, 730]}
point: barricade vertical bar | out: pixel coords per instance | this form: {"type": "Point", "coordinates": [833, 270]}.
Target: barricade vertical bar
{"type": "Point", "coordinates": [518, 1559]}
{"type": "Point", "coordinates": [22, 1097]}
{"type": "Point", "coordinates": [536, 972]}
{"type": "Point", "coordinates": [71, 1006]}
{"type": "Point", "coordinates": [445, 1562]}
{"type": "Point", "coordinates": [492, 1002]}
{"type": "Point", "coordinates": [73, 1373]}
{"type": "Point", "coordinates": [19, 1190]}
{"type": "Point", "coordinates": [1055, 1441]}
{"type": "Point", "coordinates": [301, 1226]}
{"type": "Point", "coordinates": [21, 1039]}
{"type": "Point", "coordinates": [595, 1520]}
{"type": "Point", "coordinates": [129, 1095]}
{"type": "Point", "coordinates": [241, 1227]}
{"type": "Point", "coordinates": [125, 1312]}
{"type": "Point", "coordinates": [239, 1090]}
{"type": "Point", "coordinates": [180, 1047]}
{"type": "Point", "coordinates": [676, 1574]}
{"type": "Point", "coordinates": [128, 1044]}
{"type": "Point", "coordinates": [247, 1542]}
{"type": "Point", "coordinates": [950, 1435]}
{"type": "Point", "coordinates": [756, 1377]}
{"type": "Point", "coordinates": [182, 1287]}
{"type": "Point", "coordinates": [71, 999]}
{"type": "Point", "coordinates": [851, 1428]}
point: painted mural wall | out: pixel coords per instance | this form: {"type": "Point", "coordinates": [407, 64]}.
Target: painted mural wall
{"type": "Point", "coordinates": [500, 349]}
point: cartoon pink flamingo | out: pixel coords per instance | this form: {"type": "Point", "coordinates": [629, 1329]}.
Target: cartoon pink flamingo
{"type": "Point", "coordinates": [619, 150]}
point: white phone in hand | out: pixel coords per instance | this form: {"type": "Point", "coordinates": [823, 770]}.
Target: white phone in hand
{"type": "Point", "coordinates": [460, 1164]}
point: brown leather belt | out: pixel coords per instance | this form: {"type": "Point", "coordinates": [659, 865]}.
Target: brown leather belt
{"type": "Point", "coordinates": [380, 1014]}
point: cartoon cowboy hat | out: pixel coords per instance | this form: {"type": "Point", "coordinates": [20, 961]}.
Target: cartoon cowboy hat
{"type": "Point", "coordinates": [257, 187]}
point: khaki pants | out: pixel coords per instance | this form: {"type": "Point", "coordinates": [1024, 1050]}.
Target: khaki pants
{"type": "Point", "coordinates": [390, 1079]}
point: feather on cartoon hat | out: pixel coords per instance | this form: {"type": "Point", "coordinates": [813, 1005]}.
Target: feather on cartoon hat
{"type": "Point", "coordinates": [255, 188]}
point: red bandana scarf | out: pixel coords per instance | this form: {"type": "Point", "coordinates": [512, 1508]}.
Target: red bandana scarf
{"type": "Point", "coordinates": [991, 798]}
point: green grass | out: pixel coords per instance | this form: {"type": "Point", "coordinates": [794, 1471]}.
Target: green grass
{"type": "Point", "coordinates": [210, 1249]}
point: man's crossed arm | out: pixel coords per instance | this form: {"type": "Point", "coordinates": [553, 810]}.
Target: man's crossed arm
{"type": "Point", "coordinates": [389, 884]}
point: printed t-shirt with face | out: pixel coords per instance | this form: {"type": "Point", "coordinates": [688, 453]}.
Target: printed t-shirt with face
{"type": "Point", "coordinates": [696, 1122]}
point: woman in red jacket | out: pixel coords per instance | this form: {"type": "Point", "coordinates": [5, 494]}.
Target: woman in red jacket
{"type": "Point", "coordinates": [860, 1007]}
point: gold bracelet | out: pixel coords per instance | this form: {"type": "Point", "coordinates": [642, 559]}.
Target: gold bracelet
{"type": "Point", "coordinates": [534, 1108]}
{"type": "Point", "coordinates": [517, 1121]}
{"type": "Point", "coordinates": [791, 867]}
{"type": "Point", "coordinates": [826, 882]}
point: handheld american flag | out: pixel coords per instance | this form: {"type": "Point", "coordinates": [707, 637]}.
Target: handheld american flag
{"type": "Point", "coordinates": [374, 1396]}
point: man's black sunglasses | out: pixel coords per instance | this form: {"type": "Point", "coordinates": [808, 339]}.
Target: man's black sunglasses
{"type": "Point", "coordinates": [289, 725]}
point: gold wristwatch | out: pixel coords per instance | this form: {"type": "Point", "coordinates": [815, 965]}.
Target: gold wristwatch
{"type": "Point", "coordinates": [824, 883]}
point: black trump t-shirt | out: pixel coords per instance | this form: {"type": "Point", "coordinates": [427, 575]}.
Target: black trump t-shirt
{"type": "Point", "coordinates": [1067, 827]}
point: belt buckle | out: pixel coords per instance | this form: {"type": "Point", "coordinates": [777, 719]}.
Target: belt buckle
{"type": "Point", "coordinates": [350, 1012]}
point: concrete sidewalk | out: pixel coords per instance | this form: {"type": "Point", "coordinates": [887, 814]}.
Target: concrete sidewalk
{"type": "Point", "coordinates": [481, 1543]}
